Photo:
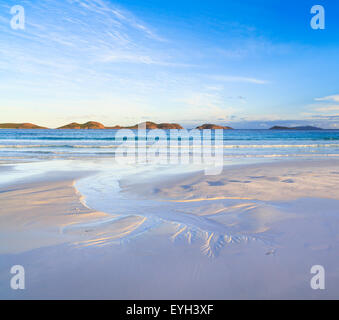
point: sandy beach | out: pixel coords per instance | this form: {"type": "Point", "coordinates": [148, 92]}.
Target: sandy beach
{"type": "Point", "coordinates": [252, 232]}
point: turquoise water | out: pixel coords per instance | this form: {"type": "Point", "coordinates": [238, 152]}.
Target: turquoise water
{"type": "Point", "coordinates": [72, 144]}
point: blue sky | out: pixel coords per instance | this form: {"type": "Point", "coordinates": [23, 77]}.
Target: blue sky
{"type": "Point", "coordinates": [248, 64]}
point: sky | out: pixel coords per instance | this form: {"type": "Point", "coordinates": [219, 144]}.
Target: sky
{"type": "Point", "coordinates": [247, 64]}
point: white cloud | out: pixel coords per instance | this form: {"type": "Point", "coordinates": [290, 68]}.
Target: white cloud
{"type": "Point", "coordinates": [327, 108]}
{"type": "Point", "coordinates": [333, 98]}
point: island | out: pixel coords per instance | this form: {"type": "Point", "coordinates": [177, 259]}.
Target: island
{"type": "Point", "coordinates": [87, 125]}
{"type": "Point", "coordinates": [151, 125]}
{"type": "Point", "coordinates": [20, 126]}
{"type": "Point", "coordinates": [295, 128]}
{"type": "Point", "coordinates": [213, 126]}
{"type": "Point", "coordinates": [97, 125]}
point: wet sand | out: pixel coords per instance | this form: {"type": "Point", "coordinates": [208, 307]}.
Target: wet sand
{"type": "Point", "coordinates": [253, 232]}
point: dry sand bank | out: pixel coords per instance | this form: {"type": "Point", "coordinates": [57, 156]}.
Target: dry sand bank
{"type": "Point", "coordinates": [47, 211]}
{"type": "Point", "coordinates": [283, 180]}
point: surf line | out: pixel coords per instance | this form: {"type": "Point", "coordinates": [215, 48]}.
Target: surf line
{"type": "Point", "coordinates": [135, 310]}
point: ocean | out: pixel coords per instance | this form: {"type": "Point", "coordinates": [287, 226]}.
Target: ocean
{"type": "Point", "coordinates": [34, 145]}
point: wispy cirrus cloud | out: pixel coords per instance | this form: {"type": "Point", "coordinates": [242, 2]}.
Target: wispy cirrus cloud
{"type": "Point", "coordinates": [70, 45]}
{"type": "Point", "coordinates": [117, 15]}
{"type": "Point", "coordinates": [80, 32]}
{"type": "Point", "coordinates": [241, 79]}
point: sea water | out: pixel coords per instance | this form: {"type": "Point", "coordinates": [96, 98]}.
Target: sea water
{"type": "Point", "coordinates": [22, 145]}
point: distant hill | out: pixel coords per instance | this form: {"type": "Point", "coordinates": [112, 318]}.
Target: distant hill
{"type": "Point", "coordinates": [96, 125]}
{"type": "Point", "coordinates": [87, 125]}
{"type": "Point", "coordinates": [213, 126]}
{"type": "Point", "coordinates": [169, 126]}
{"type": "Point", "coordinates": [295, 128]}
{"type": "Point", "coordinates": [153, 125]}
{"type": "Point", "coordinates": [20, 126]}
